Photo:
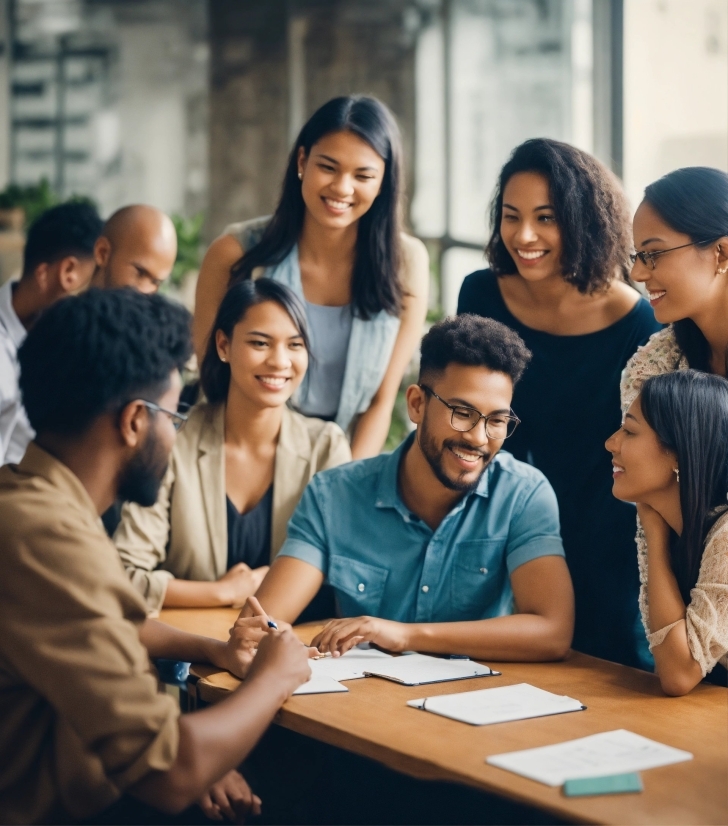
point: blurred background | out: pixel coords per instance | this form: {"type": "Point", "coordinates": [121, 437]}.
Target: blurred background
{"type": "Point", "coordinates": [192, 105]}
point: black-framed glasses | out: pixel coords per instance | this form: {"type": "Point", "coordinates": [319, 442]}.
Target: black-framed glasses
{"type": "Point", "coordinates": [649, 259]}
{"type": "Point", "coordinates": [497, 425]}
{"type": "Point", "coordinates": [178, 419]}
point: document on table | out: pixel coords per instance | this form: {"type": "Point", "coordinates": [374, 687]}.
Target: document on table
{"type": "Point", "coordinates": [419, 669]}
{"type": "Point", "coordinates": [611, 752]}
{"type": "Point", "coordinates": [498, 705]}
{"type": "Point", "coordinates": [350, 666]}
{"type": "Point", "coordinates": [321, 684]}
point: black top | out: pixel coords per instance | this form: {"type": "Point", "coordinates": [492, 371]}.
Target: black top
{"type": "Point", "coordinates": [568, 403]}
{"type": "Point", "coordinates": [249, 534]}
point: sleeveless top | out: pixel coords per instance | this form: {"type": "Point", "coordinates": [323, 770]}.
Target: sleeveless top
{"type": "Point", "coordinates": [330, 330]}
{"type": "Point", "coordinates": [568, 403]}
{"type": "Point", "coordinates": [370, 344]}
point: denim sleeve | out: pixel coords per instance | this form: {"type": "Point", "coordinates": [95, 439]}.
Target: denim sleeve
{"type": "Point", "coordinates": [307, 536]}
{"type": "Point", "coordinates": [535, 529]}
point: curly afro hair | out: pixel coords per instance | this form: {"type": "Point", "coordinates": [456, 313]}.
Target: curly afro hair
{"type": "Point", "coordinates": [88, 354]}
{"type": "Point", "coordinates": [474, 341]}
{"type": "Point", "coordinates": [590, 207]}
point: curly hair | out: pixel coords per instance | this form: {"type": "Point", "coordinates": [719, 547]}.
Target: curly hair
{"type": "Point", "coordinates": [591, 212]}
{"type": "Point", "coordinates": [88, 354]}
{"type": "Point", "coordinates": [474, 341]}
{"type": "Point", "coordinates": [64, 230]}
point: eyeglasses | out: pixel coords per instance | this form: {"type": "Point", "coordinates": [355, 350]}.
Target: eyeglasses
{"type": "Point", "coordinates": [178, 419]}
{"type": "Point", "coordinates": [649, 258]}
{"type": "Point", "coordinates": [497, 425]}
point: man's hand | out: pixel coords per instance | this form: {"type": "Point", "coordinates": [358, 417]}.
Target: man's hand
{"type": "Point", "coordinates": [239, 583]}
{"type": "Point", "coordinates": [282, 656]}
{"type": "Point", "coordinates": [339, 636]}
{"type": "Point", "coordinates": [230, 798]}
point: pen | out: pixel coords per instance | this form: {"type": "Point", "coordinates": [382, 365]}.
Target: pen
{"type": "Point", "coordinates": [271, 624]}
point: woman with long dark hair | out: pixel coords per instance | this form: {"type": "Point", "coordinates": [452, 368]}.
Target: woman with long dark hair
{"type": "Point", "coordinates": [336, 240]}
{"type": "Point", "coordinates": [559, 256]}
{"type": "Point", "coordinates": [671, 457]}
{"type": "Point", "coordinates": [240, 464]}
{"type": "Point", "coordinates": [681, 238]}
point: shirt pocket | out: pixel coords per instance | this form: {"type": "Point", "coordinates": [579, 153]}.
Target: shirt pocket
{"type": "Point", "coordinates": [359, 586]}
{"type": "Point", "coordinates": [477, 577]}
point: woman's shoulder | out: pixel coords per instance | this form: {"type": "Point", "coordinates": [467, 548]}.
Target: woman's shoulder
{"type": "Point", "coordinates": [478, 291]}
{"type": "Point", "coordinates": [247, 233]}
{"type": "Point", "coordinates": [312, 434]}
{"type": "Point", "coordinates": [415, 262]}
{"type": "Point", "coordinates": [716, 542]}
{"type": "Point", "coordinates": [661, 354]}
{"type": "Point", "coordinates": [204, 422]}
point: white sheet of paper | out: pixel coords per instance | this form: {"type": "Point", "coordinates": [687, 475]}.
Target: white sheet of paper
{"type": "Point", "coordinates": [419, 669]}
{"type": "Point", "coordinates": [611, 752]}
{"type": "Point", "coordinates": [498, 705]}
{"type": "Point", "coordinates": [321, 684]}
{"type": "Point", "coordinates": [350, 666]}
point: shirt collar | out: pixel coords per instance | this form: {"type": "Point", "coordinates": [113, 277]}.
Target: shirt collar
{"type": "Point", "coordinates": [8, 317]}
{"type": "Point", "coordinates": [387, 487]}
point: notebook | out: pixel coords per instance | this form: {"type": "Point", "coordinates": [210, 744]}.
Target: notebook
{"type": "Point", "coordinates": [349, 666]}
{"type": "Point", "coordinates": [420, 669]}
{"type": "Point", "coordinates": [611, 752]}
{"type": "Point", "coordinates": [498, 705]}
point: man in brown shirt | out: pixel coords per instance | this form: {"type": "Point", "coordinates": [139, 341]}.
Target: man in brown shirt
{"type": "Point", "coordinates": [82, 722]}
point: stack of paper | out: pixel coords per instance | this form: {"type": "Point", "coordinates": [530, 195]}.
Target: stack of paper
{"type": "Point", "coordinates": [419, 669]}
{"type": "Point", "coordinates": [498, 705]}
{"type": "Point", "coordinates": [611, 752]}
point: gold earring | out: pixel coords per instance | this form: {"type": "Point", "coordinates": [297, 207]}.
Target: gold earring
{"type": "Point", "coordinates": [722, 270]}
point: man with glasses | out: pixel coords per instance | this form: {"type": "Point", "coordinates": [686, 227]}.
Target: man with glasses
{"type": "Point", "coordinates": [447, 545]}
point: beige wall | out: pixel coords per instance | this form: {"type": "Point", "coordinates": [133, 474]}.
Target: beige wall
{"type": "Point", "coordinates": [675, 88]}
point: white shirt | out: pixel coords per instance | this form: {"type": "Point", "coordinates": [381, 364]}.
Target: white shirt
{"type": "Point", "coordinates": [15, 429]}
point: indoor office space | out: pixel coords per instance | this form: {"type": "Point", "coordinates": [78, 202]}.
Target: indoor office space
{"type": "Point", "coordinates": [364, 411]}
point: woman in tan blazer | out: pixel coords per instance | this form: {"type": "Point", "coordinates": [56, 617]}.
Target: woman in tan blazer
{"type": "Point", "coordinates": [240, 464]}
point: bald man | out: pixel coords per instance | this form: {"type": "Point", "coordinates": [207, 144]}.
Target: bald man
{"type": "Point", "coordinates": [137, 248]}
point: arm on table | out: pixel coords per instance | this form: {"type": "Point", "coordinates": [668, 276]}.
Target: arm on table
{"type": "Point", "coordinates": [373, 425]}
{"type": "Point", "coordinates": [541, 630]}
{"type": "Point", "coordinates": [233, 588]}
{"type": "Point", "coordinates": [214, 740]}
{"type": "Point", "coordinates": [289, 587]}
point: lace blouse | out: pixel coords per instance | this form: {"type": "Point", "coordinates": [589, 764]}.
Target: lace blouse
{"type": "Point", "coordinates": [660, 355]}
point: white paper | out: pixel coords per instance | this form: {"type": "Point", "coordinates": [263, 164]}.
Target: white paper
{"type": "Point", "coordinates": [498, 705]}
{"type": "Point", "coordinates": [349, 666]}
{"type": "Point", "coordinates": [419, 669]}
{"type": "Point", "coordinates": [321, 684]}
{"type": "Point", "coordinates": [611, 752]}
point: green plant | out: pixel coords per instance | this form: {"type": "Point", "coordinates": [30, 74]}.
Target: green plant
{"type": "Point", "coordinates": [33, 199]}
{"type": "Point", "coordinates": [189, 246]}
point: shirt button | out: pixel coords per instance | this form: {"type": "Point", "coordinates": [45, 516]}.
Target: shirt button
{"type": "Point", "coordinates": [360, 587]}
{"type": "Point", "coordinates": [483, 570]}
{"type": "Point", "coordinates": [425, 589]}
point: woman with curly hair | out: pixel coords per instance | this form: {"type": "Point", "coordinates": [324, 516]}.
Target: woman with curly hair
{"type": "Point", "coordinates": [559, 255]}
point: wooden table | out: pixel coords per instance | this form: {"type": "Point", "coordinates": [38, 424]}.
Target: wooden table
{"type": "Point", "coordinates": [372, 720]}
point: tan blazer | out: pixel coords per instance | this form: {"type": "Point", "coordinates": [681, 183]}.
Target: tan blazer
{"type": "Point", "coordinates": [184, 534]}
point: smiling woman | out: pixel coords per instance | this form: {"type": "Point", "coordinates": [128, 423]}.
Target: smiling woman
{"type": "Point", "coordinates": [240, 464]}
{"type": "Point", "coordinates": [559, 255]}
{"type": "Point", "coordinates": [335, 239]}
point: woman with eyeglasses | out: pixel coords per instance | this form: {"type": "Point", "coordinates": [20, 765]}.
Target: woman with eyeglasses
{"type": "Point", "coordinates": [559, 256]}
{"type": "Point", "coordinates": [681, 238]}
{"type": "Point", "coordinates": [336, 240]}
{"type": "Point", "coordinates": [239, 465]}
{"type": "Point", "coordinates": [671, 457]}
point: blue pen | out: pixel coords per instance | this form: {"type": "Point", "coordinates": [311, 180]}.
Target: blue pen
{"type": "Point", "coordinates": [271, 624]}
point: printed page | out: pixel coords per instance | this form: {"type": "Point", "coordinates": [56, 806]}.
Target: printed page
{"type": "Point", "coordinates": [611, 752]}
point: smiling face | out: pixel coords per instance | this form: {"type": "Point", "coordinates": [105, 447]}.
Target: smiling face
{"type": "Point", "coordinates": [644, 471]}
{"type": "Point", "coordinates": [458, 459]}
{"type": "Point", "coordinates": [528, 227]}
{"type": "Point", "coordinates": [685, 282]}
{"type": "Point", "coordinates": [266, 353]}
{"type": "Point", "coordinates": [342, 176]}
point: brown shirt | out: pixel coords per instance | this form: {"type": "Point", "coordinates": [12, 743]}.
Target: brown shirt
{"type": "Point", "coordinates": [81, 717]}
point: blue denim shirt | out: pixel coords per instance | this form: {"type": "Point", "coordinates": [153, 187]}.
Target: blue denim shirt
{"type": "Point", "coordinates": [384, 561]}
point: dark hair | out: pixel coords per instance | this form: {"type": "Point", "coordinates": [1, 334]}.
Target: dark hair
{"type": "Point", "coordinates": [87, 354]}
{"type": "Point", "coordinates": [64, 230]}
{"type": "Point", "coordinates": [475, 341]}
{"type": "Point", "coordinates": [693, 201]}
{"type": "Point", "coordinates": [688, 411]}
{"type": "Point", "coordinates": [590, 207]}
{"type": "Point", "coordinates": [376, 282]}
{"type": "Point", "coordinates": [215, 374]}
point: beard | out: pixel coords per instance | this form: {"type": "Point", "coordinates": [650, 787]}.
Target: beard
{"type": "Point", "coordinates": [434, 454]}
{"type": "Point", "coordinates": [143, 476]}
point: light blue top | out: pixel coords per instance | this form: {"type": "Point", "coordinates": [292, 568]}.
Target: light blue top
{"type": "Point", "coordinates": [384, 561]}
{"type": "Point", "coordinates": [330, 329]}
{"type": "Point", "coordinates": [370, 344]}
